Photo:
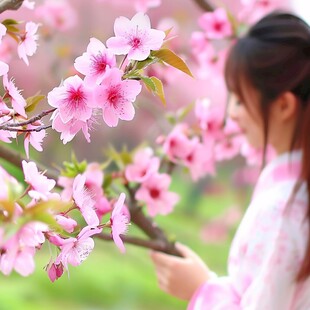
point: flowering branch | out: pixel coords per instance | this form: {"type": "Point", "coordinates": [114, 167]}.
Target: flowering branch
{"type": "Point", "coordinates": [204, 5]}
{"type": "Point", "coordinates": [27, 130]}
{"type": "Point", "coordinates": [10, 5]}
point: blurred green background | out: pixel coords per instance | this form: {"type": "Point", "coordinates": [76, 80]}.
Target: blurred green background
{"type": "Point", "coordinates": [114, 281]}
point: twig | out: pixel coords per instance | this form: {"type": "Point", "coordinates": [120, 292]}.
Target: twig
{"type": "Point", "coordinates": [29, 121]}
{"type": "Point", "coordinates": [28, 130]}
{"type": "Point", "coordinates": [204, 5]}
{"type": "Point", "coordinates": [10, 5]}
{"type": "Point", "coordinates": [156, 245]}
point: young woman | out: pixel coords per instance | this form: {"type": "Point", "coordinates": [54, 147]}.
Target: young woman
{"type": "Point", "coordinates": [268, 74]}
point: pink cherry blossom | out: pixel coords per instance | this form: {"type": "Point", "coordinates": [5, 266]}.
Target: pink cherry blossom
{"type": "Point", "coordinates": [253, 10]}
{"type": "Point", "coordinates": [199, 160]}
{"type": "Point", "coordinates": [177, 143]}
{"type": "Point", "coordinates": [67, 223]}
{"type": "Point", "coordinates": [119, 222]}
{"type": "Point", "coordinates": [75, 250]}
{"type": "Point", "coordinates": [17, 100]}
{"type": "Point", "coordinates": [72, 100]}
{"type": "Point", "coordinates": [4, 68]}
{"type": "Point", "coordinates": [34, 138]}
{"type": "Point", "coordinates": [95, 62]}
{"type": "Point", "coordinates": [19, 259]}
{"type": "Point", "coordinates": [71, 128]}
{"type": "Point", "coordinates": [58, 15]}
{"type": "Point", "coordinates": [216, 24]}
{"type": "Point", "coordinates": [7, 183]}
{"type": "Point", "coordinates": [144, 5]}
{"type": "Point", "coordinates": [154, 192]}
{"type": "Point", "coordinates": [115, 96]}
{"type": "Point", "coordinates": [210, 117]}
{"type": "Point", "coordinates": [83, 199]}
{"type": "Point", "coordinates": [2, 32]}
{"type": "Point", "coordinates": [28, 45]}
{"type": "Point", "coordinates": [28, 4]}
{"type": "Point", "coordinates": [40, 184]}
{"type": "Point", "coordinates": [144, 165]}
{"type": "Point", "coordinates": [135, 37]}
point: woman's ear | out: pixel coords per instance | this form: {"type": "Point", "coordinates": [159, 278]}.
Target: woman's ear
{"type": "Point", "coordinates": [286, 106]}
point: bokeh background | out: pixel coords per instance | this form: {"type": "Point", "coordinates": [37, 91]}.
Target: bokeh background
{"type": "Point", "coordinates": [209, 210]}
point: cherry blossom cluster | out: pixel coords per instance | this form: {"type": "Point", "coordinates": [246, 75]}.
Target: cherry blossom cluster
{"type": "Point", "coordinates": [82, 194]}
{"type": "Point", "coordinates": [104, 86]}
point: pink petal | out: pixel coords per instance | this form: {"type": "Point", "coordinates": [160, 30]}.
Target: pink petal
{"type": "Point", "coordinates": [110, 117]}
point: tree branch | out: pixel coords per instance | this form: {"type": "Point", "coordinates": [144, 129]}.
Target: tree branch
{"type": "Point", "coordinates": [29, 121]}
{"type": "Point", "coordinates": [10, 5]}
{"type": "Point", "coordinates": [204, 5]}
{"type": "Point", "coordinates": [155, 245]}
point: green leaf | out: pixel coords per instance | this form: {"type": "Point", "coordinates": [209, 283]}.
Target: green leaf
{"type": "Point", "coordinates": [73, 168]}
{"type": "Point", "coordinates": [145, 63]}
{"type": "Point", "coordinates": [172, 59]}
{"type": "Point", "coordinates": [10, 25]}
{"type": "Point", "coordinates": [33, 101]}
{"type": "Point", "coordinates": [159, 89]}
{"type": "Point", "coordinates": [184, 111]}
{"type": "Point", "coordinates": [150, 85]}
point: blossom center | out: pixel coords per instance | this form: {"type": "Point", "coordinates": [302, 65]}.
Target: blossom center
{"type": "Point", "coordinates": [76, 96]}
{"type": "Point", "coordinates": [154, 193]}
{"type": "Point", "coordinates": [114, 96]}
{"type": "Point", "coordinates": [135, 42]}
{"type": "Point", "coordinates": [99, 63]}
{"type": "Point", "coordinates": [218, 26]}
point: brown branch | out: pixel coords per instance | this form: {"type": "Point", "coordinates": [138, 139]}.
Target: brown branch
{"type": "Point", "coordinates": [29, 121]}
{"type": "Point", "coordinates": [204, 5]}
{"type": "Point", "coordinates": [155, 245]}
{"type": "Point", "coordinates": [28, 130]}
{"type": "Point", "coordinates": [10, 5]}
{"type": "Point", "coordinates": [16, 159]}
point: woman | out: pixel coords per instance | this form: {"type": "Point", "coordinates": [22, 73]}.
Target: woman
{"type": "Point", "coordinates": [268, 74]}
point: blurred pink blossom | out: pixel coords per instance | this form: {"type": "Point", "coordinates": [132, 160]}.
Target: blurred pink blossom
{"type": "Point", "coordinates": [177, 143]}
{"type": "Point", "coordinates": [135, 37]}
{"type": "Point", "coordinates": [40, 184]}
{"type": "Point", "coordinates": [28, 4]}
{"type": "Point", "coordinates": [144, 165]}
{"type": "Point", "coordinates": [67, 223]}
{"type": "Point", "coordinates": [84, 200]}
{"type": "Point", "coordinates": [34, 138]}
{"type": "Point", "coordinates": [199, 160]}
{"type": "Point", "coordinates": [115, 96]}
{"type": "Point", "coordinates": [95, 62]}
{"type": "Point", "coordinates": [58, 15]}
{"type": "Point", "coordinates": [154, 192]}
{"type": "Point", "coordinates": [144, 5]}
{"type": "Point", "coordinates": [253, 10]}
{"type": "Point", "coordinates": [28, 44]}
{"type": "Point", "coordinates": [119, 222]}
{"type": "Point", "coordinates": [2, 32]}
{"type": "Point", "coordinates": [216, 24]}
{"type": "Point", "coordinates": [18, 102]}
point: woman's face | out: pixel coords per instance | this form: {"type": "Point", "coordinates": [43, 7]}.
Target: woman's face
{"type": "Point", "coordinates": [247, 116]}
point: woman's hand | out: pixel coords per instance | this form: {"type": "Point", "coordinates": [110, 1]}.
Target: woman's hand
{"type": "Point", "coordinates": [180, 276]}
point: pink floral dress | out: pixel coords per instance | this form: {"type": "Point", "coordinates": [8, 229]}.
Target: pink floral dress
{"type": "Point", "coordinates": [268, 248]}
